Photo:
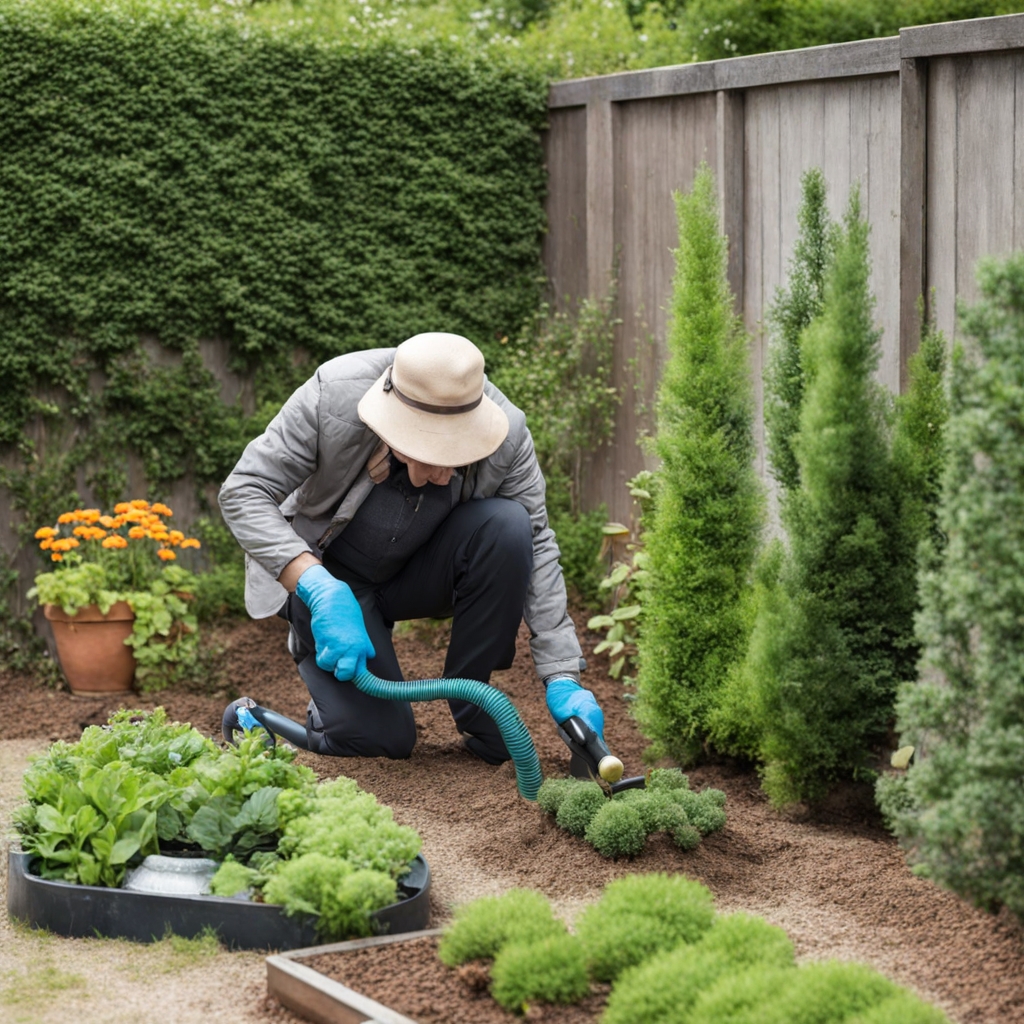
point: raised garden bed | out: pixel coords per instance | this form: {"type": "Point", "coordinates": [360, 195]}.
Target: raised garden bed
{"type": "Point", "coordinates": [83, 911]}
{"type": "Point", "coordinates": [398, 980]}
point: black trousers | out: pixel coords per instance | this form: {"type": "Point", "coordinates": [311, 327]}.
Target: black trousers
{"type": "Point", "coordinates": [475, 569]}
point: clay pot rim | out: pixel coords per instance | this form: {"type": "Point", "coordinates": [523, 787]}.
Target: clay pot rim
{"type": "Point", "coordinates": [119, 611]}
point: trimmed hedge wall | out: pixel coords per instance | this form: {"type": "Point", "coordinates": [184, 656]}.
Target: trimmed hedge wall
{"type": "Point", "coordinates": [182, 176]}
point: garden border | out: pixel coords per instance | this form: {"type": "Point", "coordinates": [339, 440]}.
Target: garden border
{"type": "Point", "coordinates": [323, 1000]}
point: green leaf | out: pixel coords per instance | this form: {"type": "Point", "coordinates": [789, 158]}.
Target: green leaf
{"type": "Point", "coordinates": [627, 613]}
{"type": "Point", "coordinates": [600, 622]}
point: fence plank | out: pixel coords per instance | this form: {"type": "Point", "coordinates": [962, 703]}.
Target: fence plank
{"type": "Point", "coordinates": [565, 244]}
{"type": "Point", "coordinates": [913, 157]}
{"type": "Point", "coordinates": [941, 193]}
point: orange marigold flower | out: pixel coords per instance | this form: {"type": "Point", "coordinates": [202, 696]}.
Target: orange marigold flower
{"type": "Point", "coordinates": [98, 534]}
{"type": "Point", "coordinates": [137, 533]}
{"type": "Point", "coordinates": [91, 515]}
{"type": "Point", "coordinates": [121, 507]}
{"type": "Point", "coordinates": [177, 536]}
{"type": "Point", "coordinates": [46, 544]}
{"type": "Point", "coordinates": [166, 555]}
{"type": "Point", "coordinates": [118, 522]}
{"type": "Point", "coordinates": [56, 558]}
{"type": "Point", "coordinates": [139, 503]}
{"type": "Point", "coordinates": [160, 535]}
{"type": "Point", "coordinates": [67, 517]}
{"type": "Point", "coordinates": [107, 521]}
{"type": "Point", "coordinates": [81, 531]}
{"type": "Point", "coordinates": [71, 543]}
{"type": "Point", "coordinates": [45, 531]}
{"type": "Point", "coordinates": [161, 509]}
{"type": "Point", "coordinates": [190, 542]}
{"type": "Point", "coordinates": [115, 541]}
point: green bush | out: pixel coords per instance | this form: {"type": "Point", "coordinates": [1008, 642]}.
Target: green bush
{"type": "Point", "coordinates": [579, 806]}
{"type": "Point", "coordinates": [553, 791]}
{"type": "Point", "coordinates": [901, 1008]}
{"type": "Point", "coordinates": [817, 993]}
{"type": "Point", "coordinates": [480, 929]}
{"type": "Point", "coordinates": [640, 915]}
{"type": "Point", "coordinates": [845, 621]}
{"type": "Point", "coordinates": [617, 830]}
{"type": "Point", "coordinates": [662, 989]}
{"type": "Point", "coordinates": [548, 970]}
{"type": "Point", "coordinates": [962, 819]}
{"type": "Point", "coordinates": [703, 538]}
{"type": "Point", "coordinates": [559, 371]}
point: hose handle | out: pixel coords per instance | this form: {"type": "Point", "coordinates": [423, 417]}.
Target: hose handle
{"type": "Point", "coordinates": [587, 747]}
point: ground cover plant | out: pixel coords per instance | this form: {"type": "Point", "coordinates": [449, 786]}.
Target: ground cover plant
{"type": "Point", "coordinates": [619, 826]}
{"type": "Point", "coordinates": [670, 959]}
{"type": "Point", "coordinates": [958, 809]}
{"type": "Point", "coordinates": [704, 530]}
{"type": "Point", "coordinates": [143, 785]}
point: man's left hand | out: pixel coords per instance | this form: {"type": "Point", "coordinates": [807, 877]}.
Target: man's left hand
{"type": "Point", "coordinates": [566, 699]}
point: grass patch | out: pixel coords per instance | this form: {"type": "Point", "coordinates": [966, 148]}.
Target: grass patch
{"type": "Point", "coordinates": [37, 984]}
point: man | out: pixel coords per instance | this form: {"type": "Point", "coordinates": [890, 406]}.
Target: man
{"type": "Point", "coordinates": [397, 484]}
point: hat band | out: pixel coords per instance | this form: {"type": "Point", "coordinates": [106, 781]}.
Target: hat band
{"type": "Point", "coordinates": [441, 410]}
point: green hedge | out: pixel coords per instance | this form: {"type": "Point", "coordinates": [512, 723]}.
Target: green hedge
{"type": "Point", "coordinates": [182, 176]}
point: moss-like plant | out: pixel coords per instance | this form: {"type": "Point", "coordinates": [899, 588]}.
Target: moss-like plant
{"type": "Point", "coordinates": [703, 810]}
{"type": "Point", "coordinates": [902, 1008]}
{"type": "Point", "coordinates": [553, 791]}
{"type": "Point", "coordinates": [662, 989]}
{"type": "Point", "coordinates": [480, 929]}
{"type": "Point", "coordinates": [548, 970]}
{"type": "Point", "coordinates": [667, 779]}
{"type": "Point", "coordinates": [579, 806]}
{"type": "Point", "coordinates": [640, 915]}
{"type": "Point", "coordinates": [617, 830]}
{"type": "Point", "coordinates": [818, 993]}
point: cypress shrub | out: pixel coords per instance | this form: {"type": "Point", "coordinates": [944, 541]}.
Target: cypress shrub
{"type": "Point", "coordinates": [844, 622]}
{"type": "Point", "coordinates": [788, 316]}
{"type": "Point", "coordinates": [964, 820]}
{"type": "Point", "coordinates": [703, 538]}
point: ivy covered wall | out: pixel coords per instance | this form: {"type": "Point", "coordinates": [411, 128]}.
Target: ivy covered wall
{"type": "Point", "coordinates": [175, 184]}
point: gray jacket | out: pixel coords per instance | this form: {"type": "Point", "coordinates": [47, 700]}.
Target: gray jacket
{"type": "Point", "coordinates": [300, 482]}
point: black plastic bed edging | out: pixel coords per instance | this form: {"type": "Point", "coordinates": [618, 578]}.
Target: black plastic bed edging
{"type": "Point", "coordinates": [85, 911]}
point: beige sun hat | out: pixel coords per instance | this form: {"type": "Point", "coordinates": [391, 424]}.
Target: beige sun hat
{"type": "Point", "coordinates": [429, 405]}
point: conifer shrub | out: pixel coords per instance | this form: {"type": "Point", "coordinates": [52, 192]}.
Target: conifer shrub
{"type": "Point", "coordinates": [663, 988]}
{"type": "Point", "coordinates": [640, 915]}
{"type": "Point", "coordinates": [479, 930]}
{"type": "Point", "coordinates": [617, 830]}
{"type": "Point", "coordinates": [553, 791]}
{"type": "Point", "coordinates": [548, 970]}
{"type": "Point", "coordinates": [844, 637]}
{"type": "Point", "coordinates": [792, 310]}
{"type": "Point", "coordinates": [902, 1008]}
{"type": "Point", "coordinates": [579, 806]}
{"type": "Point", "coordinates": [703, 536]}
{"type": "Point", "coordinates": [960, 816]}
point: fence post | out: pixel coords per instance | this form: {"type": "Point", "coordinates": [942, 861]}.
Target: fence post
{"type": "Point", "coordinates": [913, 212]}
{"type": "Point", "coordinates": [730, 161]}
{"type": "Point", "coordinates": [600, 196]}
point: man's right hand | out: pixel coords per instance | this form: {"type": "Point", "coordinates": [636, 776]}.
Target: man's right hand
{"type": "Point", "coordinates": [342, 643]}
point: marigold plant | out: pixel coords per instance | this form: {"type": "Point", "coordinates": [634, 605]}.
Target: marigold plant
{"type": "Point", "coordinates": [99, 559]}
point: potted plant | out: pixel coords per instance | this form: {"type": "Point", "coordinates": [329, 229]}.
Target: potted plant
{"type": "Point", "coordinates": [116, 601]}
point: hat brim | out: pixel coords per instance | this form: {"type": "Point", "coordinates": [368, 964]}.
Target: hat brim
{"type": "Point", "coordinates": [434, 438]}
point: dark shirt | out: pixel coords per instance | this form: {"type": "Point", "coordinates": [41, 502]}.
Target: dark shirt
{"type": "Point", "coordinates": [394, 522]}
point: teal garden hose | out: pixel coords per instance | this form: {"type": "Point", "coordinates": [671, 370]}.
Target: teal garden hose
{"type": "Point", "coordinates": [487, 698]}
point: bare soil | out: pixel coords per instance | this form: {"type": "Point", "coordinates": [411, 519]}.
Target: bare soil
{"type": "Point", "coordinates": [832, 876]}
{"type": "Point", "coordinates": [408, 978]}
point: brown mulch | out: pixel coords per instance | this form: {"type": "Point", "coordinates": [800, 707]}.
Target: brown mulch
{"type": "Point", "coordinates": [408, 977]}
{"type": "Point", "coordinates": [832, 876]}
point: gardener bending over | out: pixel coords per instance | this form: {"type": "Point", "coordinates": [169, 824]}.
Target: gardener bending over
{"type": "Point", "coordinates": [396, 484]}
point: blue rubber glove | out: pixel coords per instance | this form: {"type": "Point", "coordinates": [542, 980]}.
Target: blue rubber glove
{"type": "Point", "coordinates": [342, 643]}
{"type": "Point", "coordinates": [567, 698]}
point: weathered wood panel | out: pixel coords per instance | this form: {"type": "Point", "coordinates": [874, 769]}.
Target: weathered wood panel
{"type": "Point", "coordinates": [974, 193]}
{"type": "Point", "coordinates": [565, 245]}
{"type": "Point", "coordinates": [658, 146]}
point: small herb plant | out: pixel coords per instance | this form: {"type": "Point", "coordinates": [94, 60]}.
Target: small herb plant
{"type": "Point", "coordinates": [618, 827]}
{"type": "Point", "coordinates": [623, 548]}
{"type": "Point", "coordinates": [143, 785]}
{"type": "Point", "coordinates": [100, 559]}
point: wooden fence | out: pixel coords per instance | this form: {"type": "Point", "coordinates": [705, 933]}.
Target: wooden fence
{"type": "Point", "coordinates": [930, 123]}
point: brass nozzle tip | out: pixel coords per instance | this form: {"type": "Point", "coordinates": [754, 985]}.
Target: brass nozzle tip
{"type": "Point", "coordinates": [610, 769]}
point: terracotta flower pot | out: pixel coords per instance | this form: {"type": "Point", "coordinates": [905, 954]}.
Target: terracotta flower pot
{"type": "Point", "coordinates": [91, 648]}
